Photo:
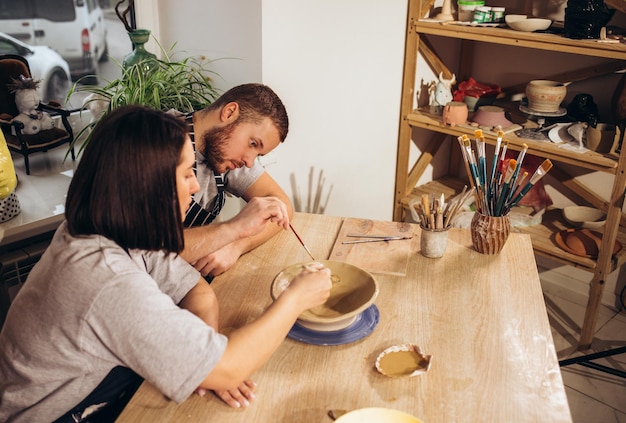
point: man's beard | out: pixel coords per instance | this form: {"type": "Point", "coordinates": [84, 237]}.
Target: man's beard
{"type": "Point", "coordinates": [215, 141]}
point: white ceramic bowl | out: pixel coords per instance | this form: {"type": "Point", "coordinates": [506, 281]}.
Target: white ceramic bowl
{"type": "Point", "coordinates": [584, 217]}
{"type": "Point", "coordinates": [518, 23]}
{"type": "Point", "coordinates": [354, 290]}
{"type": "Point", "coordinates": [511, 18]}
{"type": "Point", "coordinates": [377, 415]}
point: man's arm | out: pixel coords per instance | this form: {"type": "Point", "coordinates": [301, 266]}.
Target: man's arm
{"type": "Point", "coordinates": [214, 256]}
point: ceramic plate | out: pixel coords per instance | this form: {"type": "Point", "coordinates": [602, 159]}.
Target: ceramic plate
{"type": "Point", "coordinates": [525, 109]}
{"type": "Point", "coordinates": [362, 326]}
{"type": "Point", "coordinates": [559, 133]}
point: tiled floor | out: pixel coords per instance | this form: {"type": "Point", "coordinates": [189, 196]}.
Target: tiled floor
{"type": "Point", "coordinates": [593, 396]}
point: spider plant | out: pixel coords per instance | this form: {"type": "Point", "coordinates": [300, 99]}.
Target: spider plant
{"type": "Point", "coordinates": [183, 85]}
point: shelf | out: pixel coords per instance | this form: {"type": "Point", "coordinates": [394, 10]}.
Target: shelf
{"type": "Point", "coordinates": [532, 40]}
{"type": "Point", "coordinates": [542, 235]}
{"type": "Point", "coordinates": [548, 150]}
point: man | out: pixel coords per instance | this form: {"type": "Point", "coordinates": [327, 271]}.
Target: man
{"type": "Point", "coordinates": [247, 121]}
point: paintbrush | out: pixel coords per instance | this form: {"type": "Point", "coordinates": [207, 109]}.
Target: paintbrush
{"type": "Point", "coordinates": [302, 242]}
{"type": "Point", "coordinates": [520, 159]}
{"type": "Point", "coordinates": [539, 173]}
{"type": "Point", "coordinates": [505, 188]}
{"type": "Point", "coordinates": [482, 160]}
{"type": "Point", "coordinates": [377, 239]}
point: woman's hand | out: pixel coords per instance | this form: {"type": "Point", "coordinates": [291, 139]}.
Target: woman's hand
{"type": "Point", "coordinates": [311, 287]}
{"type": "Point", "coordinates": [235, 398]}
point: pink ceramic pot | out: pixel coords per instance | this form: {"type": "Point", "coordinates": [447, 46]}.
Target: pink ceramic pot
{"type": "Point", "coordinates": [545, 96]}
{"type": "Point", "coordinates": [455, 113]}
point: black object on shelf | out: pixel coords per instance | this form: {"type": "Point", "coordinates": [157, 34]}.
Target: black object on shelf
{"type": "Point", "coordinates": [585, 18]}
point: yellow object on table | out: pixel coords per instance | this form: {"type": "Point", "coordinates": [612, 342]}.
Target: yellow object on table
{"type": "Point", "coordinates": [8, 179]}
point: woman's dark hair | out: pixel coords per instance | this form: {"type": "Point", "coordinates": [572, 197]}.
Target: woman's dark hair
{"type": "Point", "coordinates": [256, 101]}
{"type": "Point", "coordinates": [125, 185]}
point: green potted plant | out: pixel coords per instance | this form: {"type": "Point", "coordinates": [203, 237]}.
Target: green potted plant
{"type": "Point", "coordinates": [183, 85]}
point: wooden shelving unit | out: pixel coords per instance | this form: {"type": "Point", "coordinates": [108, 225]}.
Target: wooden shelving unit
{"type": "Point", "coordinates": [542, 235]}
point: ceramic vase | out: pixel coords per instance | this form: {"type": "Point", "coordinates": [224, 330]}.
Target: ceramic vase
{"type": "Point", "coordinates": [139, 37]}
{"type": "Point", "coordinates": [489, 233]}
{"type": "Point", "coordinates": [545, 96]}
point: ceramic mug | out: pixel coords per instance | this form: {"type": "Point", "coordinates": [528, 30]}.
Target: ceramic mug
{"type": "Point", "coordinates": [600, 138]}
{"type": "Point", "coordinates": [455, 113]}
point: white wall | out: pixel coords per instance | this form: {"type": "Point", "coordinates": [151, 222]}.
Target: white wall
{"type": "Point", "coordinates": [337, 65]}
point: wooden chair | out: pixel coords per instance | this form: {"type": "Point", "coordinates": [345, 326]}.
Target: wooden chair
{"type": "Point", "coordinates": [12, 66]}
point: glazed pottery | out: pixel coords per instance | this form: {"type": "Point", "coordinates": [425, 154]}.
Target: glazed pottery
{"type": "Point", "coordinates": [139, 37]}
{"type": "Point", "coordinates": [601, 138]}
{"type": "Point", "coordinates": [584, 217]}
{"type": "Point", "coordinates": [491, 116]}
{"type": "Point", "coordinates": [544, 95]}
{"type": "Point", "coordinates": [455, 113]}
{"type": "Point", "coordinates": [353, 290]}
{"type": "Point", "coordinates": [489, 233]}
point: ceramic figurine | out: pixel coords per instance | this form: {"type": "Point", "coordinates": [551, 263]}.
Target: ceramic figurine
{"type": "Point", "coordinates": [441, 93]}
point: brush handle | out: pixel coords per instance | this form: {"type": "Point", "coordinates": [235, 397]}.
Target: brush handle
{"type": "Point", "coordinates": [522, 193]}
{"type": "Point", "coordinates": [501, 197]}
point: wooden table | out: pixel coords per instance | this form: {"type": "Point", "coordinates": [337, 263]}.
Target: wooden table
{"type": "Point", "coordinates": [482, 318]}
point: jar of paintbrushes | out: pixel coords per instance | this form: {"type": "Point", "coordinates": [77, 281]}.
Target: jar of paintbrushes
{"type": "Point", "coordinates": [435, 217]}
{"type": "Point", "coordinates": [497, 191]}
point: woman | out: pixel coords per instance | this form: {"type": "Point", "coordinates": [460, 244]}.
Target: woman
{"type": "Point", "coordinates": [111, 303]}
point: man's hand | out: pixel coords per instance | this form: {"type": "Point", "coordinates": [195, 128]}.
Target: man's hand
{"type": "Point", "coordinates": [252, 219]}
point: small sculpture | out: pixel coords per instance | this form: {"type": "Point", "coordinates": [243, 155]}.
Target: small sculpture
{"type": "Point", "coordinates": [583, 109]}
{"type": "Point", "coordinates": [27, 101]}
{"type": "Point", "coordinates": [441, 93]}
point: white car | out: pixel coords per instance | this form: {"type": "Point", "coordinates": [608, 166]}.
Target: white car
{"type": "Point", "coordinates": [76, 29]}
{"type": "Point", "coordinates": [45, 64]}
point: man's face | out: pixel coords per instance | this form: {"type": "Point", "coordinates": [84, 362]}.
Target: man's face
{"type": "Point", "coordinates": [237, 144]}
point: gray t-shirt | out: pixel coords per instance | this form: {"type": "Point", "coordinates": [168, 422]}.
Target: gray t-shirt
{"type": "Point", "coordinates": [236, 181]}
{"type": "Point", "coordinates": [88, 307]}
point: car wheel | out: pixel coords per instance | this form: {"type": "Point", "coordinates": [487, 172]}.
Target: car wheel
{"type": "Point", "coordinates": [104, 57]}
{"type": "Point", "coordinates": [58, 86]}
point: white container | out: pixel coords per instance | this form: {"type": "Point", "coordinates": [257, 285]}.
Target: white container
{"type": "Point", "coordinates": [466, 9]}
{"type": "Point", "coordinates": [482, 14]}
{"type": "Point", "coordinates": [497, 14]}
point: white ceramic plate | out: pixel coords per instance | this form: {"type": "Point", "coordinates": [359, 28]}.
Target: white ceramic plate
{"type": "Point", "coordinates": [559, 133]}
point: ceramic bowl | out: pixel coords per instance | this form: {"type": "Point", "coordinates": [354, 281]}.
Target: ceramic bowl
{"type": "Point", "coordinates": [377, 415]}
{"type": "Point", "coordinates": [491, 116]}
{"type": "Point", "coordinates": [544, 95]}
{"type": "Point", "coordinates": [527, 24]}
{"type": "Point", "coordinates": [582, 242]}
{"type": "Point", "coordinates": [584, 217]}
{"type": "Point", "coordinates": [354, 290]}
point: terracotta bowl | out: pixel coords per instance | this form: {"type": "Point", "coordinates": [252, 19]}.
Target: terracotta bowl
{"type": "Point", "coordinates": [377, 415]}
{"type": "Point", "coordinates": [491, 116]}
{"type": "Point", "coordinates": [582, 242]}
{"type": "Point", "coordinates": [354, 290]}
{"type": "Point", "coordinates": [584, 217]}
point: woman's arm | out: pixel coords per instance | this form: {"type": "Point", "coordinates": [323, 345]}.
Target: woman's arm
{"type": "Point", "coordinates": [202, 301]}
{"type": "Point", "coordinates": [263, 336]}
